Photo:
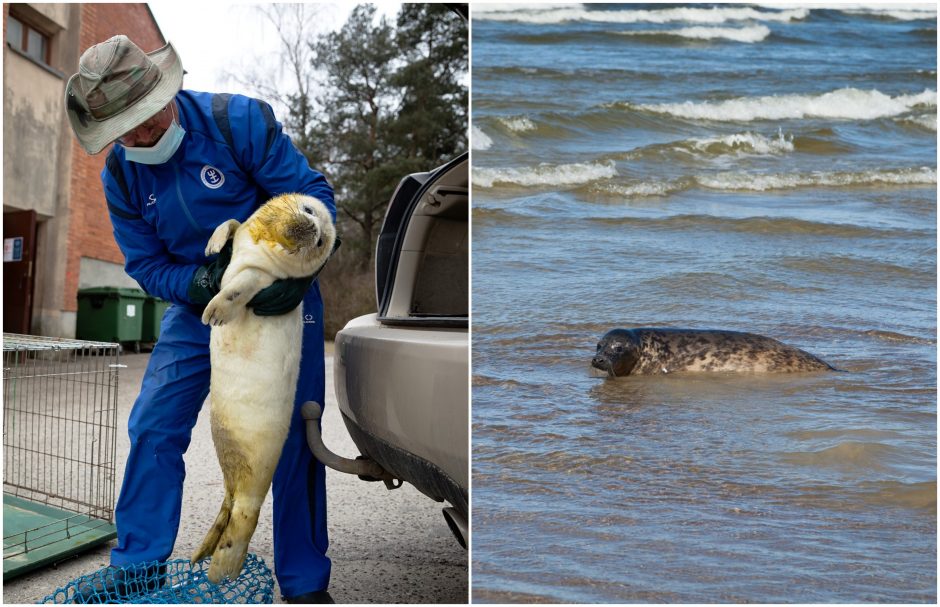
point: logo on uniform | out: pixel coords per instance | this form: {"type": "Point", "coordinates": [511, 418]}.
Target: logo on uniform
{"type": "Point", "coordinates": [212, 177]}
{"type": "Point", "coordinates": [309, 319]}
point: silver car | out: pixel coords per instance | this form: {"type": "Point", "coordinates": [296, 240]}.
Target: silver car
{"type": "Point", "coordinates": [402, 374]}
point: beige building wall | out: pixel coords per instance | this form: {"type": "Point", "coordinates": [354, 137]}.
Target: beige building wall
{"type": "Point", "coordinates": [46, 171]}
{"type": "Point", "coordinates": [36, 160]}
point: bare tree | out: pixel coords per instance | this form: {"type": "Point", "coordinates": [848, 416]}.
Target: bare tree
{"type": "Point", "coordinates": [287, 77]}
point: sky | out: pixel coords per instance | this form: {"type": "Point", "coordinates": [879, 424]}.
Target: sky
{"type": "Point", "coordinates": [215, 39]}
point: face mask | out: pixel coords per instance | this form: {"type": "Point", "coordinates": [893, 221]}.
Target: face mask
{"type": "Point", "coordinates": [161, 151]}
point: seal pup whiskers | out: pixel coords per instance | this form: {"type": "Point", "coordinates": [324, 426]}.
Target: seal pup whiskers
{"type": "Point", "coordinates": [255, 361]}
{"type": "Point", "coordinates": [655, 351]}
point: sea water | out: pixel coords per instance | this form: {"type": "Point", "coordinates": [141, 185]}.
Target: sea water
{"type": "Point", "coordinates": [749, 168]}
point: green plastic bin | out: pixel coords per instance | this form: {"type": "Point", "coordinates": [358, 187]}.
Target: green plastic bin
{"type": "Point", "coordinates": [154, 308]}
{"type": "Point", "coordinates": [110, 314]}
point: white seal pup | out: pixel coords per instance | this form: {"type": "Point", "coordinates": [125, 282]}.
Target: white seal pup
{"type": "Point", "coordinates": [255, 361]}
{"type": "Point", "coordinates": [655, 351]}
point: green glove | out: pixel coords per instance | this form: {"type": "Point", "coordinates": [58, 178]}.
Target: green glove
{"type": "Point", "coordinates": [286, 294]}
{"type": "Point", "coordinates": [281, 297]}
{"type": "Point", "coordinates": [208, 278]}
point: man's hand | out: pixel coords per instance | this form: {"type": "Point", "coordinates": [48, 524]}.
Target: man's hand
{"type": "Point", "coordinates": [281, 297]}
{"type": "Point", "coordinates": [286, 294]}
{"type": "Point", "coordinates": [208, 278]}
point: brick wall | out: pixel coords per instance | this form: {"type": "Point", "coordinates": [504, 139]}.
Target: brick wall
{"type": "Point", "coordinates": [90, 227]}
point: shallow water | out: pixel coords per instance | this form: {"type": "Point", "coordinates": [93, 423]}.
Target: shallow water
{"type": "Point", "coordinates": [739, 168]}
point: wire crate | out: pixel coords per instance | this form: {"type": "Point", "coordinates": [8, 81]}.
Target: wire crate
{"type": "Point", "coordinates": [59, 430]}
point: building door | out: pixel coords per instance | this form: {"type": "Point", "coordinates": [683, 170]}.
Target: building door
{"type": "Point", "coordinates": [19, 251]}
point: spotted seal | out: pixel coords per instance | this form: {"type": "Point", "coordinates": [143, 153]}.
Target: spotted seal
{"type": "Point", "coordinates": [655, 351]}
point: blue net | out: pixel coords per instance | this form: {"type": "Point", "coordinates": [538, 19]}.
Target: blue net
{"type": "Point", "coordinates": [172, 582]}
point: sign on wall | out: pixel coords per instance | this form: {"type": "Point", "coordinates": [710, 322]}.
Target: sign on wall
{"type": "Point", "coordinates": [13, 249]}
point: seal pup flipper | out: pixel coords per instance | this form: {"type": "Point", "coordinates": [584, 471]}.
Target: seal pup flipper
{"type": "Point", "coordinates": [232, 547]}
{"type": "Point", "coordinates": [248, 493]}
{"type": "Point", "coordinates": [237, 292]}
{"type": "Point", "coordinates": [212, 538]}
{"type": "Point", "coordinates": [221, 235]}
{"type": "Point", "coordinates": [247, 477]}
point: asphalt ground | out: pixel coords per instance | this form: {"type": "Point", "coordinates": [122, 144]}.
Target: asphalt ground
{"type": "Point", "coordinates": [386, 546]}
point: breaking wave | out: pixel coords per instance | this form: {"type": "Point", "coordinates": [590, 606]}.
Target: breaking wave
{"type": "Point", "coordinates": [924, 121]}
{"type": "Point", "coordinates": [642, 189]}
{"type": "Point", "coordinates": [734, 145]}
{"type": "Point", "coordinates": [518, 123]}
{"type": "Point", "coordinates": [601, 74]}
{"type": "Point", "coordinates": [482, 10]}
{"type": "Point", "coordinates": [898, 12]}
{"type": "Point", "coordinates": [547, 14]}
{"type": "Point", "coordinates": [545, 174]}
{"type": "Point", "coordinates": [847, 103]}
{"type": "Point", "coordinates": [479, 139]}
{"type": "Point", "coordinates": [756, 182]}
{"type": "Point", "coordinates": [752, 143]}
{"type": "Point", "coordinates": [760, 183]}
{"type": "Point", "coordinates": [750, 35]}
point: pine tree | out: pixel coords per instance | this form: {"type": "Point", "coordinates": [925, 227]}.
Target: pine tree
{"type": "Point", "coordinates": [391, 102]}
{"type": "Point", "coordinates": [432, 120]}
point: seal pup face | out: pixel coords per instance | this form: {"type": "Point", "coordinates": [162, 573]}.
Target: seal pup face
{"type": "Point", "coordinates": [617, 353]}
{"type": "Point", "coordinates": [295, 224]}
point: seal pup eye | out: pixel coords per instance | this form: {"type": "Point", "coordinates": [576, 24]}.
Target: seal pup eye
{"type": "Point", "coordinates": [617, 348]}
{"type": "Point", "coordinates": [308, 209]}
{"type": "Point", "coordinates": [320, 243]}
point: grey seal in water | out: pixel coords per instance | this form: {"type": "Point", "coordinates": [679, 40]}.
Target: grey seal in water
{"type": "Point", "coordinates": [653, 351]}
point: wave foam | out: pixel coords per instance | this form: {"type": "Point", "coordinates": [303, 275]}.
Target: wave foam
{"type": "Point", "coordinates": [545, 174]}
{"type": "Point", "coordinates": [735, 145]}
{"type": "Point", "coordinates": [847, 103]}
{"type": "Point", "coordinates": [562, 13]}
{"type": "Point", "coordinates": [518, 124]}
{"type": "Point", "coordinates": [640, 189]}
{"type": "Point", "coordinates": [479, 139]}
{"type": "Point", "coordinates": [754, 182]}
{"type": "Point", "coordinates": [759, 183]}
{"type": "Point", "coordinates": [900, 12]}
{"type": "Point", "coordinates": [746, 142]}
{"type": "Point", "coordinates": [487, 9]}
{"type": "Point", "coordinates": [925, 121]}
{"type": "Point", "coordinates": [750, 35]}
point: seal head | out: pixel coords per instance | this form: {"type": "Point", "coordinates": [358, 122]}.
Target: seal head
{"type": "Point", "coordinates": [617, 353]}
{"type": "Point", "coordinates": [299, 224]}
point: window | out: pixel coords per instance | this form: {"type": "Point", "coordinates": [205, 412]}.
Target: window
{"type": "Point", "coordinates": [28, 40]}
{"type": "Point", "coordinates": [14, 32]}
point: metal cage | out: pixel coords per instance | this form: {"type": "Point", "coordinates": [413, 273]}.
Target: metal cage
{"type": "Point", "coordinates": [59, 429]}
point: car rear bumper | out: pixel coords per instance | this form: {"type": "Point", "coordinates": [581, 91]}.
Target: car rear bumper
{"type": "Point", "coordinates": [404, 395]}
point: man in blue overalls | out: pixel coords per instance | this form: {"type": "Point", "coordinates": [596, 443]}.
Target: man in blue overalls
{"type": "Point", "coordinates": [184, 162]}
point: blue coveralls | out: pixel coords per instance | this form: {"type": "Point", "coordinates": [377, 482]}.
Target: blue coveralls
{"type": "Point", "coordinates": [162, 228]}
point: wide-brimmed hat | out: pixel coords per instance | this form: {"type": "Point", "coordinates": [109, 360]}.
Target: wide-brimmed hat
{"type": "Point", "coordinates": [118, 87]}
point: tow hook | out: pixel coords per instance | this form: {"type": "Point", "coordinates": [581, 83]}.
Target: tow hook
{"type": "Point", "coordinates": [365, 468]}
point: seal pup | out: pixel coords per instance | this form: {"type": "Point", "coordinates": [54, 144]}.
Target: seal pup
{"type": "Point", "coordinates": [255, 362]}
{"type": "Point", "coordinates": [655, 351]}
